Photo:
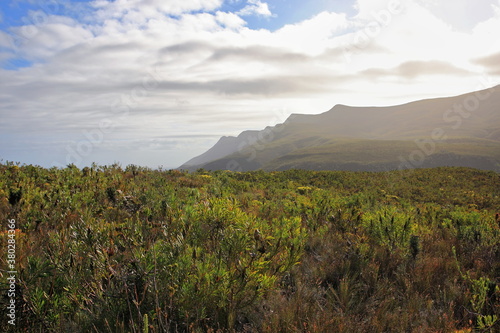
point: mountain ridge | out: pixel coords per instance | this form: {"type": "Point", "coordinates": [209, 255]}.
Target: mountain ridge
{"type": "Point", "coordinates": [372, 138]}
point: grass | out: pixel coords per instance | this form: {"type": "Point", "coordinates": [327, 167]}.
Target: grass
{"type": "Point", "coordinates": [111, 249]}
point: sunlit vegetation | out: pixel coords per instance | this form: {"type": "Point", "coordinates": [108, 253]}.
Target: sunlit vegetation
{"type": "Point", "coordinates": [111, 249]}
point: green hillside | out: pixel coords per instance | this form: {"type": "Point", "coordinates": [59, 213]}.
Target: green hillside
{"type": "Point", "coordinates": [380, 155]}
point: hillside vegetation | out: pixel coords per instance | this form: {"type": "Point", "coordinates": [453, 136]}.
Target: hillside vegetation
{"type": "Point", "coordinates": [106, 249]}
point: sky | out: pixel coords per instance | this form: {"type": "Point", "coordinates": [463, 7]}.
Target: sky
{"type": "Point", "coordinates": [157, 82]}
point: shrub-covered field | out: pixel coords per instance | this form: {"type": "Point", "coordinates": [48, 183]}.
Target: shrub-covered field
{"type": "Point", "coordinates": [106, 249]}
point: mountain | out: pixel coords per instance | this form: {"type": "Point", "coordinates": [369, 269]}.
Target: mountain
{"type": "Point", "coordinates": [453, 131]}
{"type": "Point", "coordinates": [225, 146]}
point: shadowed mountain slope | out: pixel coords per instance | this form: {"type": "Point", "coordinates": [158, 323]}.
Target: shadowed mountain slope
{"type": "Point", "coordinates": [454, 131]}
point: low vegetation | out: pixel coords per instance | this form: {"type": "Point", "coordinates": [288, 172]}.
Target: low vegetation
{"type": "Point", "coordinates": [106, 249]}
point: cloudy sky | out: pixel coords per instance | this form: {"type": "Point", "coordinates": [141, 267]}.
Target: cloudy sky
{"type": "Point", "coordinates": [156, 82]}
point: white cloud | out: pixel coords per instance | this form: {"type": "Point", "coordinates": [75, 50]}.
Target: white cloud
{"type": "Point", "coordinates": [314, 35]}
{"type": "Point", "coordinates": [229, 20]}
{"type": "Point", "coordinates": [256, 7]}
{"type": "Point", "coordinates": [488, 28]}
{"type": "Point", "coordinates": [52, 38]}
{"type": "Point", "coordinates": [369, 9]}
{"type": "Point", "coordinates": [117, 8]}
{"type": "Point", "coordinates": [5, 40]}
